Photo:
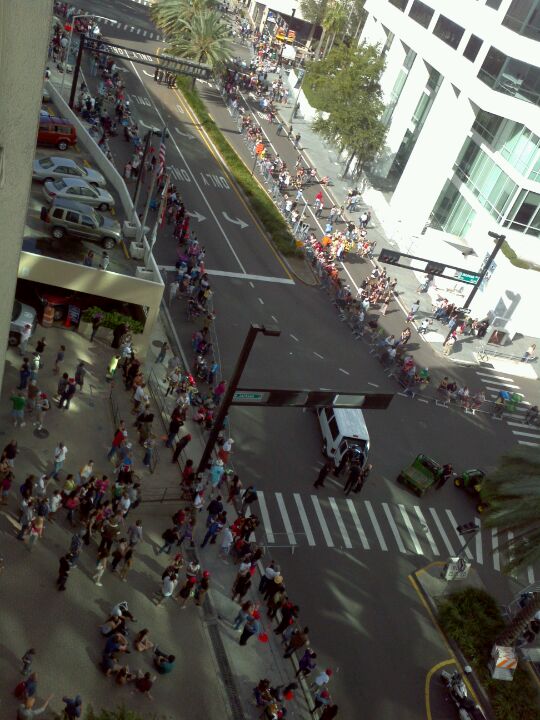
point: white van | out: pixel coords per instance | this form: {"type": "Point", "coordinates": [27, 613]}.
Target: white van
{"type": "Point", "coordinates": [343, 429]}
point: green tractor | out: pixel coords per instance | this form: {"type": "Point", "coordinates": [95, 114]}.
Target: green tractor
{"type": "Point", "coordinates": [471, 481]}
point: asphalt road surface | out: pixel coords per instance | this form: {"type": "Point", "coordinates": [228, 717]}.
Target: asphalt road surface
{"type": "Point", "coordinates": [345, 560]}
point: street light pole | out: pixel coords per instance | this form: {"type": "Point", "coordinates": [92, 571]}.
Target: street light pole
{"type": "Point", "coordinates": [500, 240]}
{"type": "Point", "coordinates": [153, 181]}
{"type": "Point", "coordinates": [227, 399]}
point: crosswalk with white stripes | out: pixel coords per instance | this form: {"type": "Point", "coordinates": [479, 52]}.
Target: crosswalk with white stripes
{"type": "Point", "coordinates": [494, 382]}
{"type": "Point", "coordinates": [127, 27]}
{"type": "Point", "coordinates": [352, 523]}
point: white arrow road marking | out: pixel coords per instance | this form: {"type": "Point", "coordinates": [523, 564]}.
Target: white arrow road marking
{"type": "Point", "coordinates": [183, 134]}
{"type": "Point", "coordinates": [179, 108]}
{"type": "Point", "coordinates": [235, 221]}
{"type": "Point", "coordinates": [149, 74]}
{"type": "Point", "coordinates": [195, 214]}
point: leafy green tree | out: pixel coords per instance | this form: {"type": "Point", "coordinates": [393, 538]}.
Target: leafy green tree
{"type": "Point", "coordinates": [334, 23]}
{"type": "Point", "coordinates": [168, 14]}
{"type": "Point", "coordinates": [314, 11]}
{"type": "Point", "coordinates": [513, 496]}
{"type": "Point", "coordinates": [347, 84]}
{"type": "Point", "coordinates": [204, 38]}
{"type": "Point", "coordinates": [512, 493]}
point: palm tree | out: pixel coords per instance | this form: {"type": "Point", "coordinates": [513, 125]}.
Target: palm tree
{"type": "Point", "coordinates": [205, 39]}
{"type": "Point", "coordinates": [167, 14]}
{"type": "Point", "coordinates": [512, 493]}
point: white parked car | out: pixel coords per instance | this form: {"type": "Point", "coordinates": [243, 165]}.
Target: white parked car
{"type": "Point", "coordinates": [78, 190]}
{"type": "Point", "coordinates": [54, 168]}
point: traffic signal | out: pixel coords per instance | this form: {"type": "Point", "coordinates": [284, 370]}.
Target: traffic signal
{"type": "Point", "coordinates": [390, 257]}
{"type": "Point", "coordinates": [434, 268]}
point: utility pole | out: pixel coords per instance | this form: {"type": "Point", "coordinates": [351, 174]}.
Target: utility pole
{"type": "Point", "coordinates": [227, 399]}
{"type": "Point", "coordinates": [76, 72]}
{"type": "Point", "coordinates": [499, 242]}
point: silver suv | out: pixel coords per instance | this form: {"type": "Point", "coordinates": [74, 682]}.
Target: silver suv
{"type": "Point", "coordinates": [72, 219]}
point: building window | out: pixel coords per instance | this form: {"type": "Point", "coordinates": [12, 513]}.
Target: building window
{"type": "Point", "coordinates": [487, 125]}
{"type": "Point", "coordinates": [410, 57]}
{"type": "Point", "coordinates": [452, 213]}
{"type": "Point", "coordinates": [400, 4]}
{"type": "Point", "coordinates": [535, 172]}
{"type": "Point", "coordinates": [485, 179]}
{"type": "Point", "coordinates": [473, 47]}
{"type": "Point", "coordinates": [523, 17]}
{"type": "Point", "coordinates": [510, 76]}
{"type": "Point", "coordinates": [495, 4]}
{"type": "Point", "coordinates": [388, 42]}
{"type": "Point", "coordinates": [448, 31]}
{"type": "Point", "coordinates": [525, 214]}
{"type": "Point", "coordinates": [421, 13]}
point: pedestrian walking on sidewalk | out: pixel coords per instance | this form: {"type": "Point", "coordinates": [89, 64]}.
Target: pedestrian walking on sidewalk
{"type": "Point", "coordinates": [270, 572]}
{"type": "Point", "coordinates": [202, 588]}
{"type": "Point", "coordinates": [26, 661]}
{"type": "Point", "coordinates": [186, 591]}
{"type": "Point", "coordinates": [168, 586]}
{"type": "Point", "coordinates": [80, 372]}
{"type": "Point", "coordinates": [67, 394]}
{"type": "Point", "coordinates": [242, 615]}
{"type": "Point", "coordinates": [251, 627]}
{"type": "Point", "coordinates": [354, 476]}
{"type": "Point", "coordinates": [64, 569]}
{"type": "Point", "coordinates": [101, 565]}
{"type": "Point", "coordinates": [323, 474]}
{"type": "Point", "coordinates": [289, 612]}
{"type": "Point", "coordinates": [298, 639]}
{"type": "Point", "coordinates": [307, 663]}
{"type": "Point", "coordinates": [59, 457]}
{"type": "Point", "coordinates": [180, 445]}
{"type": "Point", "coordinates": [297, 139]}
{"type": "Point", "coordinates": [413, 310]}
{"type": "Point", "coordinates": [448, 345]}
{"type": "Point", "coordinates": [59, 359]}
{"type": "Point", "coordinates": [321, 680]}
{"type": "Point", "coordinates": [162, 352]}
{"type": "Point", "coordinates": [73, 707]}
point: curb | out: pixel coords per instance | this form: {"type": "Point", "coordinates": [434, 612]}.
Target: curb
{"type": "Point", "coordinates": [460, 659]}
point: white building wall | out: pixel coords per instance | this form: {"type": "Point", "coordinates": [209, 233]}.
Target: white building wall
{"type": "Point", "coordinates": [403, 112]}
{"type": "Point", "coordinates": [394, 62]}
{"type": "Point", "coordinates": [431, 161]}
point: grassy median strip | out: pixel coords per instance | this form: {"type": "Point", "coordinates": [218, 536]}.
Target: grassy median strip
{"type": "Point", "coordinates": [261, 204]}
{"type": "Point", "coordinates": [473, 620]}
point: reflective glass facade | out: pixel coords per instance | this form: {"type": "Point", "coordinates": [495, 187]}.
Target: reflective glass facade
{"type": "Point", "coordinates": [452, 213]}
{"type": "Point", "coordinates": [523, 17]}
{"type": "Point", "coordinates": [510, 76]}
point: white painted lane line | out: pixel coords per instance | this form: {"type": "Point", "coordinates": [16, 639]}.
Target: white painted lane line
{"type": "Point", "coordinates": [251, 284]}
{"type": "Point", "coordinates": [304, 519]}
{"type": "Point", "coordinates": [124, 28]}
{"type": "Point", "coordinates": [294, 337]}
{"type": "Point", "coordinates": [274, 318]}
{"type": "Point", "coordinates": [498, 390]}
{"type": "Point", "coordinates": [479, 551]}
{"type": "Point", "coordinates": [194, 178]}
{"type": "Point", "coordinates": [318, 355]}
{"type": "Point", "coordinates": [357, 524]}
{"type": "Point", "coordinates": [422, 400]}
{"type": "Point", "coordinates": [265, 517]}
{"type": "Point", "coordinates": [345, 372]}
{"type": "Point", "coordinates": [241, 276]}
{"type": "Point", "coordinates": [461, 541]}
{"type": "Point", "coordinates": [145, 32]}
{"type": "Point", "coordinates": [322, 521]}
{"type": "Point", "coordinates": [394, 528]}
{"type": "Point", "coordinates": [530, 575]}
{"type": "Point", "coordinates": [409, 526]}
{"type": "Point", "coordinates": [261, 301]}
{"type": "Point", "coordinates": [529, 444]}
{"type": "Point", "coordinates": [518, 424]}
{"type": "Point", "coordinates": [138, 31]}
{"type": "Point", "coordinates": [426, 530]}
{"type": "Point", "coordinates": [495, 549]}
{"type": "Point", "coordinates": [376, 525]}
{"type": "Point", "coordinates": [442, 532]}
{"type": "Point", "coordinates": [151, 36]}
{"type": "Point", "coordinates": [286, 519]}
{"type": "Point", "coordinates": [525, 434]}
{"type": "Point", "coordinates": [373, 384]}
{"type": "Point", "coordinates": [495, 377]}
{"type": "Point", "coordinates": [502, 384]}
{"type": "Point", "coordinates": [340, 523]}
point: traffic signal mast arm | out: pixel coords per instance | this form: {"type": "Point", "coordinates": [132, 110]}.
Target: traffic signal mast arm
{"type": "Point", "coordinates": [430, 267]}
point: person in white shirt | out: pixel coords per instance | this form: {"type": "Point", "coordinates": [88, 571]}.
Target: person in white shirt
{"type": "Point", "coordinates": [60, 453]}
{"type": "Point", "coordinates": [270, 572]}
{"type": "Point", "coordinates": [226, 542]}
{"type": "Point", "coordinates": [168, 586]}
{"type": "Point", "coordinates": [55, 501]}
{"type": "Point", "coordinates": [321, 680]}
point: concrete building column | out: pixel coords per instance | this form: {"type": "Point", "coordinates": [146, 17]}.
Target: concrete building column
{"type": "Point", "coordinates": [24, 39]}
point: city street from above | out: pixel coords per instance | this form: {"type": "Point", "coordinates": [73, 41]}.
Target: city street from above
{"type": "Point", "coordinates": [270, 388]}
